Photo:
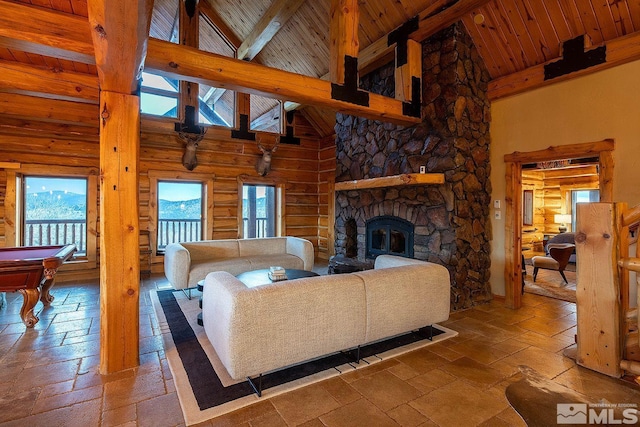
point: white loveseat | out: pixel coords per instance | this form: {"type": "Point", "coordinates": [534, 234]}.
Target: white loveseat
{"type": "Point", "coordinates": [264, 328]}
{"type": "Point", "coordinates": [185, 264]}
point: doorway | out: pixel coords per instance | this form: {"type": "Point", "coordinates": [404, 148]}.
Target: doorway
{"type": "Point", "coordinates": [601, 151]}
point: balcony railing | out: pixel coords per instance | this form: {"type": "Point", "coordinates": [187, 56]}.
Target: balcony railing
{"type": "Point", "coordinates": [178, 230]}
{"type": "Point", "coordinates": [45, 232]}
{"type": "Point", "coordinates": [260, 228]}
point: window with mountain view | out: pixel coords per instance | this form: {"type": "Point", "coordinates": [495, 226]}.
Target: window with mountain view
{"type": "Point", "coordinates": [55, 212]}
{"type": "Point", "coordinates": [259, 211]}
{"type": "Point", "coordinates": [180, 212]}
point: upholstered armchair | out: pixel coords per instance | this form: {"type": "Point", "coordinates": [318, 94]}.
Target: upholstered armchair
{"type": "Point", "coordinates": [558, 259]}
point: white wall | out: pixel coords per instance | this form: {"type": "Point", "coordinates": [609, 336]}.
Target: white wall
{"type": "Point", "coordinates": [602, 105]}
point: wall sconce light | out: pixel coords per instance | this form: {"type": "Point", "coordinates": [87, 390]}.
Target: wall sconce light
{"type": "Point", "coordinates": [563, 220]}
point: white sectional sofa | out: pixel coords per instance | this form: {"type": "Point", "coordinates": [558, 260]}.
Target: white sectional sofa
{"type": "Point", "coordinates": [259, 329]}
{"type": "Point", "coordinates": [185, 264]}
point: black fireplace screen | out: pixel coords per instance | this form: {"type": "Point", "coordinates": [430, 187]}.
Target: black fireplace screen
{"type": "Point", "coordinates": [389, 235]}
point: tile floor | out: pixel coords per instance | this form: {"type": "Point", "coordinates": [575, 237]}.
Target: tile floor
{"type": "Point", "coordinates": [49, 374]}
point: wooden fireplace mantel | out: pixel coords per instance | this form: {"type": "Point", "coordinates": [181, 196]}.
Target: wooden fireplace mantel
{"type": "Point", "coordinates": [391, 181]}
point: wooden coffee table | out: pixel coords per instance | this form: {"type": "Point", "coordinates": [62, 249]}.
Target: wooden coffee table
{"type": "Point", "coordinates": [261, 277]}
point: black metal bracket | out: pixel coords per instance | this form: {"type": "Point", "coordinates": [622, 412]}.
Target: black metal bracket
{"type": "Point", "coordinates": [575, 58]}
{"type": "Point", "coordinates": [413, 108]}
{"type": "Point", "coordinates": [190, 124]}
{"type": "Point", "coordinates": [288, 137]}
{"type": "Point", "coordinates": [256, 388]}
{"type": "Point", "coordinates": [349, 92]}
{"type": "Point", "coordinates": [400, 36]}
{"type": "Point", "coordinates": [243, 131]}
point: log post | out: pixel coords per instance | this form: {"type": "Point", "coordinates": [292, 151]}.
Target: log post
{"type": "Point", "coordinates": [598, 289]}
{"type": "Point", "coordinates": [119, 231]}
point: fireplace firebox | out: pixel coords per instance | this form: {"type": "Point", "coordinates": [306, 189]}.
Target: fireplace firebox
{"type": "Point", "coordinates": [389, 235]}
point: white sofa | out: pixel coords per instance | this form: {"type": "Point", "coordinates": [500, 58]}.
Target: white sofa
{"type": "Point", "coordinates": [264, 328]}
{"type": "Point", "coordinates": [185, 264]}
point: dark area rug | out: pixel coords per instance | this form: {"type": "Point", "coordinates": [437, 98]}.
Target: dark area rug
{"type": "Point", "coordinates": [204, 388]}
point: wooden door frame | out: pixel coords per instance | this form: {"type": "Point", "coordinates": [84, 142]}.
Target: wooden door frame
{"type": "Point", "coordinates": [513, 200]}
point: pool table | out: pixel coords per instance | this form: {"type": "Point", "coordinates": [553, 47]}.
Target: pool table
{"type": "Point", "coordinates": [31, 271]}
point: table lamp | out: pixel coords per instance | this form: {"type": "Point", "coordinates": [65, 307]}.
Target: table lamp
{"type": "Point", "coordinates": [563, 220]}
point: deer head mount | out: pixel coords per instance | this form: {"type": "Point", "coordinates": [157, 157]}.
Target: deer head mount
{"type": "Point", "coordinates": [191, 141]}
{"type": "Point", "coordinates": [264, 163]}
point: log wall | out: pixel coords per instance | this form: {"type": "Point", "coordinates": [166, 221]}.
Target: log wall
{"type": "Point", "coordinates": [551, 196]}
{"type": "Point", "coordinates": [296, 167]}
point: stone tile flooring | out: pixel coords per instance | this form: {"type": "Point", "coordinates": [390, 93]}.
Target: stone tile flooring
{"type": "Point", "coordinates": [49, 374]}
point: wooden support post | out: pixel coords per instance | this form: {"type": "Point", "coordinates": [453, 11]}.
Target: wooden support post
{"type": "Point", "coordinates": [407, 71]}
{"type": "Point", "coordinates": [344, 37]}
{"type": "Point", "coordinates": [598, 290]}
{"type": "Point", "coordinates": [119, 231]}
{"type": "Point", "coordinates": [189, 36]}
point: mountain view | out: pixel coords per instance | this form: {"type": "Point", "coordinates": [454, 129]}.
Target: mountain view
{"type": "Point", "coordinates": [56, 205]}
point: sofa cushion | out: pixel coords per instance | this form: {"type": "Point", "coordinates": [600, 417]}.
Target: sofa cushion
{"type": "Point", "coordinates": [212, 249]}
{"type": "Point", "coordinates": [200, 269]}
{"type": "Point", "coordinates": [269, 246]}
{"type": "Point", "coordinates": [282, 260]}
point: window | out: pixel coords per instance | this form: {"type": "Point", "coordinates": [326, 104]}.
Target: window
{"type": "Point", "coordinates": [582, 196]}
{"type": "Point", "coordinates": [159, 96]}
{"type": "Point", "coordinates": [180, 214]}
{"type": "Point", "coordinates": [261, 208]}
{"type": "Point", "coordinates": [266, 114]}
{"type": "Point", "coordinates": [181, 208]}
{"type": "Point", "coordinates": [55, 212]}
{"type": "Point", "coordinates": [217, 105]}
{"type": "Point", "coordinates": [54, 205]}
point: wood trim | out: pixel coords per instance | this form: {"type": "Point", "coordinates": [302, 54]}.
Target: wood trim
{"type": "Point", "coordinates": [391, 181]}
{"type": "Point", "coordinates": [513, 200]}
{"type": "Point", "coordinates": [11, 214]}
{"type": "Point", "coordinates": [9, 165]}
{"type": "Point", "coordinates": [619, 51]}
{"type": "Point", "coordinates": [560, 152]}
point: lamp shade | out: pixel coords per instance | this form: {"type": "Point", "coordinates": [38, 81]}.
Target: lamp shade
{"type": "Point", "coordinates": [562, 218]}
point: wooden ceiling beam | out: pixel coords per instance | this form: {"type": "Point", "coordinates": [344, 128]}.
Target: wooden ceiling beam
{"type": "Point", "coordinates": [267, 27]}
{"type": "Point", "coordinates": [17, 77]}
{"type": "Point", "coordinates": [119, 31]}
{"type": "Point", "coordinates": [619, 51]}
{"type": "Point", "coordinates": [182, 62]}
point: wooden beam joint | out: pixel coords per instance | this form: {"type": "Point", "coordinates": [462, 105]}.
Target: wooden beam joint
{"type": "Point", "coordinates": [349, 91]}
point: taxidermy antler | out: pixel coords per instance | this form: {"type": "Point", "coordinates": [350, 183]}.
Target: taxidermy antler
{"type": "Point", "coordinates": [264, 163]}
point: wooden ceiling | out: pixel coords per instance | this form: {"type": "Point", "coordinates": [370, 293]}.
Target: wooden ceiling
{"type": "Point", "coordinates": [512, 36]}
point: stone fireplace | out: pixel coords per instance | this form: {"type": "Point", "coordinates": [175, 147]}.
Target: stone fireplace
{"type": "Point", "coordinates": [449, 222]}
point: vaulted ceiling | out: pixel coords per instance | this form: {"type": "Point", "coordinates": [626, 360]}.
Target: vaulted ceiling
{"type": "Point", "coordinates": [513, 36]}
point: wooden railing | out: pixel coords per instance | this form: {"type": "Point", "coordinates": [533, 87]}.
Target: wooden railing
{"type": "Point", "coordinates": [45, 232]}
{"type": "Point", "coordinates": [178, 230]}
